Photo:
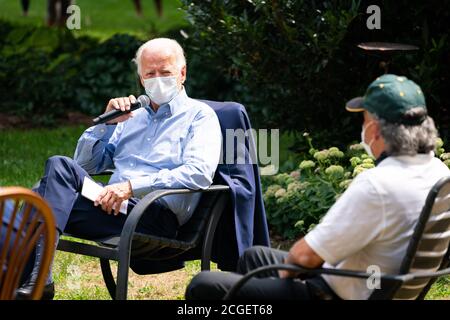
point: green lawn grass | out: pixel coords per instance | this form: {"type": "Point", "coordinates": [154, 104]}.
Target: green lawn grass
{"type": "Point", "coordinates": [22, 158]}
{"type": "Point", "coordinates": [23, 152]}
{"type": "Point", "coordinates": [105, 18]}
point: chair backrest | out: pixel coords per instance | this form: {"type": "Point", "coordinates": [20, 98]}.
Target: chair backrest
{"type": "Point", "coordinates": [429, 245]}
{"type": "Point", "coordinates": [245, 223]}
{"type": "Point", "coordinates": [194, 228]}
{"type": "Point", "coordinates": [25, 219]}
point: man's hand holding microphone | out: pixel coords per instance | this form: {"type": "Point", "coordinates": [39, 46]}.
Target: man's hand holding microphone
{"type": "Point", "coordinates": [118, 110]}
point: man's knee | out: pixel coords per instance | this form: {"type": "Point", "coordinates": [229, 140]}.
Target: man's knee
{"type": "Point", "coordinates": [249, 258]}
{"type": "Point", "coordinates": [198, 287]}
{"type": "Point", "coordinates": [61, 168]}
{"type": "Point", "coordinates": [59, 162]}
{"type": "Point", "coordinates": [211, 285]}
{"type": "Point", "coordinates": [59, 159]}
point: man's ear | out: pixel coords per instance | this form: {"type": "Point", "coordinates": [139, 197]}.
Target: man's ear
{"type": "Point", "coordinates": [183, 74]}
{"type": "Point", "coordinates": [377, 129]}
{"type": "Point", "coordinates": [142, 80]}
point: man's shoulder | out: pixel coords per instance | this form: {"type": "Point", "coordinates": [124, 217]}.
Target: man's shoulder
{"type": "Point", "coordinates": [200, 109]}
{"type": "Point", "coordinates": [378, 178]}
{"type": "Point", "coordinates": [200, 105]}
{"type": "Point", "coordinates": [409, 164]}
{"type": "Point", "coordinates": [392, 173]}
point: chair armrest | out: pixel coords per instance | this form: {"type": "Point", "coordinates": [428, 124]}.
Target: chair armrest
{"type": "Point", "coordinates": [336, 272]}
{"type": "Point", "coordinates": [142, 205]}
{"type": "Point", "coordinates": [135, 215]}
{"type": "Point", "coordinates": [424, 275]}
{"type": "Point", "coordinates": [289, 267]}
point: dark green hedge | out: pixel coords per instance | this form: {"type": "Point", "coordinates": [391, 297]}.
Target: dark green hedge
{"type": "Point", "coordinates": [45, 72]}
{"type": "Point", "coordinates": [292, 63]}
{"type": "Point", "coordinates": [298, 61]}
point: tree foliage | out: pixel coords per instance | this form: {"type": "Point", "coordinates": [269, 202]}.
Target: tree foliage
{"type": "Point", "coordinates": [295, 63]}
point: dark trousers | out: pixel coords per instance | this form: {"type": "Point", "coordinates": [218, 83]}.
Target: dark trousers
{"type": "Point", "coordinates": [57, 15]}
{"type": "Point", "coordinates": [25, 5]}
{"type": "Point", "coordinates": [268, 286]}
{"type": "Point", "coordinates": [28, 266]}
{"type": "Point", "coordinates": [61, 187]}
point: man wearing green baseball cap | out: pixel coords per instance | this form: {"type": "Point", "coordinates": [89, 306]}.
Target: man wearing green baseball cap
{"type": "Point", "coordinates": [371, 223]}
{"type": "Point", "coordinates": [399, 104]}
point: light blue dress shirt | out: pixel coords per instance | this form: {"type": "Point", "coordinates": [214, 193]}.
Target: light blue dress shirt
{"type": "Point", "coordinates": [178, 146]}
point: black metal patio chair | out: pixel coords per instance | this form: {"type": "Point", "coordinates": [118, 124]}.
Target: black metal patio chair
{"type": "Point", "coordinates": [198, 232]}
{"type": "Point", "coordinates": [427, 256]}
{"type": "Point", "coordinates": [196, 239]}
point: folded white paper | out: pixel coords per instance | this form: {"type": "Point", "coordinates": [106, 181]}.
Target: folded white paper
{"type": "Point", "coordinates": [91, 190]}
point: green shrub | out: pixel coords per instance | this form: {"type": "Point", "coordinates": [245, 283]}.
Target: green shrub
{"type": "Point", "coordinates": [296, 201]}
{"type": "Point", "coordinates": [297, 62]}
{"type": "Point", "coordinates": [47, 72]}
{"type": "Point", "coordinates": [105, 71]}
{"type": "Point", "coordinates": [30, 81]}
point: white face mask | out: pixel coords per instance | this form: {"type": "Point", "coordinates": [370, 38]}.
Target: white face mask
{"type": "Point", "coordinates": [161, 89]}
{"type": "Point", "coordinates": [364, 144]}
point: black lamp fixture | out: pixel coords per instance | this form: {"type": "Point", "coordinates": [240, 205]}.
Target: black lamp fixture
{"type": "Point", "coordinates": [385, 51]}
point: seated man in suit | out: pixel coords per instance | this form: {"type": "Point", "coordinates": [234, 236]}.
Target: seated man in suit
{"type": "Point", "coordinates": [371, 223]}
{"type": "Point", "coordinates": [175, 142]}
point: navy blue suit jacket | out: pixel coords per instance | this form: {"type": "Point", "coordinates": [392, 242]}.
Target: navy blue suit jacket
{"type": "Point", "coordinates": [244, 222]}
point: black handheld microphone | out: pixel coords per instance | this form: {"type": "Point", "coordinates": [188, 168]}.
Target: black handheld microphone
{"type": "Point", "coordinates": [141, 101]}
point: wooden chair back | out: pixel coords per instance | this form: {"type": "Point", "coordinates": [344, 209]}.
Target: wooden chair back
{"type": "Point", "coordinates": [25, 218]}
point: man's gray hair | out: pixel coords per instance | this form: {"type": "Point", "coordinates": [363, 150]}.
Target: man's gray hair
{"type": "Point", "coordinates": [401, 139]}
{"type": "Point", "coordinates": [166, 42]}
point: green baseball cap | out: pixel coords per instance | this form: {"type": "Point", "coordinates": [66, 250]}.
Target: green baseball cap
{"type": "Point", "coordinates": [389, 97]}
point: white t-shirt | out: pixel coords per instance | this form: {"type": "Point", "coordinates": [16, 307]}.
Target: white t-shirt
{"type": "Point", "coordinates": [373, 220]}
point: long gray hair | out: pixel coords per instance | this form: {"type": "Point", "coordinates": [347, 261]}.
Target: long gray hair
{"type": "Point", "coordinates": [402, 139]}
